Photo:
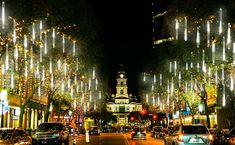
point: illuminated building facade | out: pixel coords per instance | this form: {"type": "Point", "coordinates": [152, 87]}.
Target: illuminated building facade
{"type": "Point", "coordinates": [122, 104]}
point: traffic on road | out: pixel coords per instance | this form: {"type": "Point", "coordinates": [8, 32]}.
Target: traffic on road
{"type": "Point", "coordinates": [59, 134]}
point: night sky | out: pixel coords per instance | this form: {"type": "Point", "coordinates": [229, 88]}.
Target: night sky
{"type": "Point", "coordinates": [127, 31]}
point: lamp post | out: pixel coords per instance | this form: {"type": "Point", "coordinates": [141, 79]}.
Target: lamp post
{"type": "Point", "coordinates": [3, 99]}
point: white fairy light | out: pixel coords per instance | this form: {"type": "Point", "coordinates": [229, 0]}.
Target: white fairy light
{"type": "Point", "coordinates": [185, 29]}
{"type": "Point", "coordinates": [63, 43]}
{"type": "Point", "coordinates": [221, 21]}
{"type": "Point", "coordinates": [198, 38]}
{"type": "Point", "coordinates": [208, 33]}
{"type": "Point", "coordinates": [45, 43]}
{"type": "Point", "coordinates": [33, 32]}
{"type": "Point", "coordinates": [234, 53]}
{"type": "Point", "coordinates": [53, 38]}
{"type": "Point", "coordinates": [154, 79]}
{"type": "Point", "coordinates": [74, 48]}
{"type": "Point", "coordinates": [176, 29]}
{"type": "Point", "coordinates": [224, 51]}
{"type": "Point", "coordinates": [3, 15]}
{"type": "Point", "coordinates": [229, 36]}
{"type": "Point", "coordinates": [14, 32]}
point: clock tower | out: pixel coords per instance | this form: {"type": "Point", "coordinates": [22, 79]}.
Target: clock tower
{"type": "Point", "coordinates": [122, 103]}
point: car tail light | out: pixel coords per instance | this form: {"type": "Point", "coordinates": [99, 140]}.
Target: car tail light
{"type": "Point", "coordinates": [143, 131]}
{"type": "Point", "coordinates": [133, 132]}
{"type": "Point", "coordinates": [180, 137]}
{"type": "Point", "coordinates": [210, 137]}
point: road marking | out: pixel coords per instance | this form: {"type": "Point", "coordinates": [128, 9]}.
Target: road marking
{"type": "Point", "coordinates": [126, 140]}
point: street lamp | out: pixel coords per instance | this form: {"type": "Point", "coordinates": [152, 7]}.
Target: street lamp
{"type": "Point", "coordinates": [3, 99]}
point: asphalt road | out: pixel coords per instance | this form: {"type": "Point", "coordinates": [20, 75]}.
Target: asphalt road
{"type": "Point", "coordinates": [114, 139]}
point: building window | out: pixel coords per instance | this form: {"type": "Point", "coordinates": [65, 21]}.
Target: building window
{"type": "Point", "coordinates": [121, 92]}
{"type": "Point", "coordinates": [128, 108]}
{"type": "Point", "coordinates": [122, 109]}
{"type": "Point", "coordinates": [121, 83]}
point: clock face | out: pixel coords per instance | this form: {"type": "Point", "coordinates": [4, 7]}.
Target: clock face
{"type": "Point", "coordinates": [121, 75]}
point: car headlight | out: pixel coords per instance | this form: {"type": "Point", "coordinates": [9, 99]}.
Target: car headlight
{"type": "Point", "coordinates": [23, 143]}
{"type": "Point", "coordinates": [34, 136]}
{"type": "Point", "coordinates": [55, 135]}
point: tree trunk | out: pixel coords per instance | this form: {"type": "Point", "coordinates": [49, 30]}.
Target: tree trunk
{"type": "Point", "coordinates": [207, 114]}
{"type": "Point", "coordinates": [193, 117]}
{"type": "Point", "coordinates": [47, 113]}
{"type": "Point", "coordinates": [180, 116]}
{"type": "Point", "coordinates": [59, 111]}
{"type": "Point", "coordinates": [22, 107]}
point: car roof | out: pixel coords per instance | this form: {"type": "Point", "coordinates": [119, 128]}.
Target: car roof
{"type": "Point", "coordinates": [193, 125]}
{"type": "Point", "coordinates": [94, 126]}
{"type": "Point", "coordinates": [139, 127]}
{"type": "Point", "coordinates": [158, 126]}
{"type": "Point", "coordinates": [7, 128]}
{"type": "Point", "coordinates": [52, 123]}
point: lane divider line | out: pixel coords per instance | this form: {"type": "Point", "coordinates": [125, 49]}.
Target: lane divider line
{"type": "Point", "coordinates": [126, 140]}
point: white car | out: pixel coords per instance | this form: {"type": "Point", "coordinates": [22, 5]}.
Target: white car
{"type": "Point", "coordinates": [189, 135]}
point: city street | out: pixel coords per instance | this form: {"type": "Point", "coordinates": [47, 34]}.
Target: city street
{"type": "Point", "coordinates": [116, 139]}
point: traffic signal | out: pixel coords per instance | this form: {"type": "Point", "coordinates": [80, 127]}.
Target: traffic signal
{"type": "Point", "coordinates": [143, 112]}
{"type": "Point", "coordinates": [132, 118]}
{"type": "Point", "coordinates": [154, 117]}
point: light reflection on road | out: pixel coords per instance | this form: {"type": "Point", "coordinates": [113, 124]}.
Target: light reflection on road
{"type": "Point", "coordinates": [149, 140]}
{"type": "Point", "coordinates": [116, 139]}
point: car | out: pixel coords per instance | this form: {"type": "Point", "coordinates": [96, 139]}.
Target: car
{"type": "Point", "coordinates": [127, 129]}
{"type": "Point", "coordinates": [229, 138]}
{"type": "Point", "coordinates": [189, 134]}
{"type": "Point", "coordinates": [156, 131]}
{"type": "Point", "coordinates": [94, 130]}
{"type": "Point", "coordinates": [138, 132]}
{"type": "Point", "coordinates": [14, 136]}
{"type": "Point", "coordinates": [170, 129]}
{"type": "Point", "coordinates": [51, 133]}
{"type": "Point", "coordinates": [162, 133]}
{"type": "Point", "coordinates": [217, 135]}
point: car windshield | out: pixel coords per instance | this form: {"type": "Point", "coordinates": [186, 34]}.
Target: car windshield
{"type": "Point", "coordinates": [50, 126]}
{"type": "Point", "coordinates": [195, 130]}
{"type": "Point", "coordinates": [5, 134]}
{"type": "Point", "coordinates": [233, 132]}
{"type": "Point", "coordinates": [93, 128]}
{"type": "Point", "coordinates": [138, 129]}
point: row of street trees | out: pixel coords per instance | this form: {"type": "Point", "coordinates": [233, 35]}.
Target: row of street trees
{"type": "Point", "coordinates": [198, 69]}
{"type": "Point", "coordinates": [40, 61]}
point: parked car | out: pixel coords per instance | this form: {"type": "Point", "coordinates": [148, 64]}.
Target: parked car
{"type": "Point", "coordinates": [156, 131]}
{"type": "Point", "coordinates": [51, 133]}
{"type": "Point", "coordinates": [14, 136]}
{"type": "Point", "coordinates": [229, 138]}
{"type": "Point", "coordinates": [162, 133]}
{"type": "Point", "coordinates": [189, 134]}
{"type": "Point", "coordinates": [170, 129]}
{"type": "Point", "coordinates": [94, 130]}
{"type": "Point", "coordinates": [217, 135]}
{"type": "Point", "coordinates": [138, 132]}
